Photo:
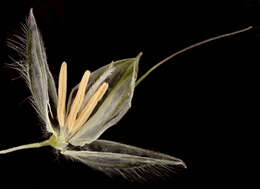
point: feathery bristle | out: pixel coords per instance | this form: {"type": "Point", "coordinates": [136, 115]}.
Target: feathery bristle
{"type": "Point", "coordinates": [62, 91]}
{"type": "Point", "coordinates": [77, 101]}
{"type": "Point", "coordinates": [84, 115]}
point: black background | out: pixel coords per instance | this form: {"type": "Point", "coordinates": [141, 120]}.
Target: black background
{"type": "Point", "coordinates": [199, 107]}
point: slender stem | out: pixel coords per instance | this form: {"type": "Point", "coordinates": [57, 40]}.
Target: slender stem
{"type": "Point", "coordinates": [27, 146]}
{"type": "Point", "coordinates": [189, 48]}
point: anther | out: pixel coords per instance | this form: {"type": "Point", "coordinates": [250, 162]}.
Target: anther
{"type": "Point", "coordinates": [62, 91]}
{"type": "Point", "coordinates": [77, 101]}
{"type": "Point", "coordinates": [88, 109]}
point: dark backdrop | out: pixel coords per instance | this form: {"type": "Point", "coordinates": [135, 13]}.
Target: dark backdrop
{"type": "Point", "coordinates": [198, 107]}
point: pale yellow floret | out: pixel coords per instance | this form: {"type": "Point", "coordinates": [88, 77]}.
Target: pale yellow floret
{"type": "Point", "coordinates": [76, 119]}
{"type": "Point", "coordinates": [62, 91]}
{"type": "Point", "coordinates": [88, 109]}
{"type": "Point", "coordinates": [77, 101]}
